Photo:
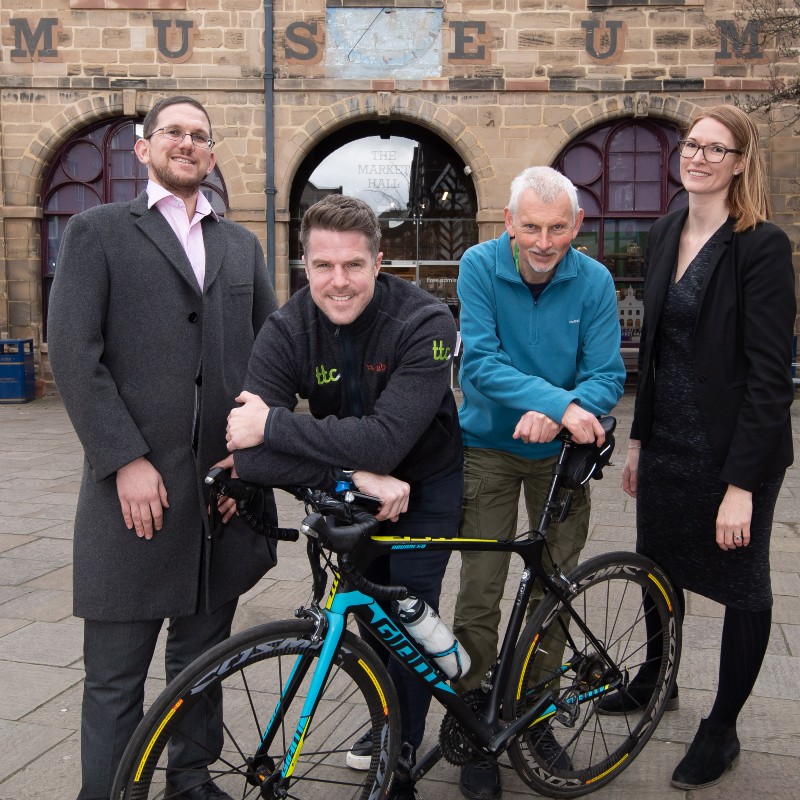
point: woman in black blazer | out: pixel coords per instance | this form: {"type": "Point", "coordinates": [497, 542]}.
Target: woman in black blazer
{"type": "Point", "coordinates": [711, 436]}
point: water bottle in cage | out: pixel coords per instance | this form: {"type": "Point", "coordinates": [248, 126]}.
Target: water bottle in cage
{"type": "Point", "coordinates": [436, 639]}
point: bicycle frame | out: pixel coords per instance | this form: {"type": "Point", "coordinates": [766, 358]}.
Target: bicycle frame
{"type": "Point", "coordinates": [485, 726]}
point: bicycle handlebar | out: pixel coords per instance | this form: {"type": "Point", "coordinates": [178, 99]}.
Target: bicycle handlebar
{"type": "Point", "coordinates": [351, 508]}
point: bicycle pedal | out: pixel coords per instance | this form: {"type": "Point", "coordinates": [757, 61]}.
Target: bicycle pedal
{"type": "Point", "coordinates": [567, 712]}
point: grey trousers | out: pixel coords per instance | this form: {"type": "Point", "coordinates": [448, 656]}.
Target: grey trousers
{"type": "Point", "coordinates": [492, 483]}
{"type": "Point", "coordinates": [117, 656]}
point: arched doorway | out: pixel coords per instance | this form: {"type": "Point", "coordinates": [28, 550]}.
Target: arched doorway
{"type": "Point", "coordinates": [97, 166]}
{"type": "Point", "coordinates": [418, 186]}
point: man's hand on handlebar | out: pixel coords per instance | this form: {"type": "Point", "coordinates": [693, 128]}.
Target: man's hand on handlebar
{"type": "Point", "coordinates": [226, 505]}
{"type": "Point", "coordinates": [535, 428]}
{"type": "Point", "coordinates": [583, 425]}
{"type": "Point", "coordinates": [392, 492]}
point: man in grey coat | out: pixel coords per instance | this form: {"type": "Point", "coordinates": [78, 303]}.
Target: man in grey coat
{"type": "Point", "coordinates": [154, 309]}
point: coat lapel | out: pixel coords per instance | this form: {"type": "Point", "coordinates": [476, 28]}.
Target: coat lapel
{"type": "Point", "coordinates": [152, 224]}
{"type": "Point", "coordinates": [663, 264]}
{"type": "Point", "coordinates": [724, 242]}
{"type": "Point", "coordinates": [216, 244]}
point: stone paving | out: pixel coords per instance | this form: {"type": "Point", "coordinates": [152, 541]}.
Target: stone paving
{"type": "Point", "coordinates": [40, 641]}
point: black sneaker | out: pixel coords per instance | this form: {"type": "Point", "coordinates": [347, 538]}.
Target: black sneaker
{"type": "Point", "coordinates": [359, 756]}
{"type": "Point", "coordinates": [480, 780]}
{"type": "Point", "coordinates": [402, 789]}
{"type": "Point", "coordinates": [549, 750]}
{"type": "Point", "coordinates": [635, 698]}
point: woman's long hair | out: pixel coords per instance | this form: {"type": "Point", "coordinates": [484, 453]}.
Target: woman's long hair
{"type": "Point", "coordinates": [748, 194]}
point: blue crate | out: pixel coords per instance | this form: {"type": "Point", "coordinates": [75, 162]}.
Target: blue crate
{"type": "Point", "coordinates": [16, 371]}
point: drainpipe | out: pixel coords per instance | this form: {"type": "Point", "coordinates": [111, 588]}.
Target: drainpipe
{"type": "Point", "coordinates": [269, 143]}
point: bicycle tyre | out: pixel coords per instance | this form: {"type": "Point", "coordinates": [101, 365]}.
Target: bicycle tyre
{"type": "Point", "coordinates": [252, 670]}
{"type": "Point", "coordinates": [594, 749]}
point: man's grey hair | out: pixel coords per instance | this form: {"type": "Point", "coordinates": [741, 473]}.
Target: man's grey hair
{"type": "Point", "coordinates": [547, 184]}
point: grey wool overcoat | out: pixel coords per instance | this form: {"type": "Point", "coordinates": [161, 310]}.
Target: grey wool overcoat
{"type": "Point", "coordinates": [135, 349]}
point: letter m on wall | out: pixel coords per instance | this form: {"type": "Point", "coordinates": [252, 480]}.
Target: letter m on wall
{"type": "Point", "coordinates": [738, 45]}
{"type": "Point", "coordinates": [36, 45]}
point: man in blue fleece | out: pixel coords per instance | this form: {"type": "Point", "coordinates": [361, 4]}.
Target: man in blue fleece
{"type": "Point", "coordinates": [372, 353]}
{"type": "Point", "coordinates": [541, 353]}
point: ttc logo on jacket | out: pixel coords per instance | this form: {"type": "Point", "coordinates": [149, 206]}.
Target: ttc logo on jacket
{"type": "Point", "coordinates": [440, 352]}
{"type": "Point", "coordinates": [326, 375]}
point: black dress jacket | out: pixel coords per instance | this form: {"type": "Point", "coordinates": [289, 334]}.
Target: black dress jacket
{"type": "Point", "coordinates": [742, 346]}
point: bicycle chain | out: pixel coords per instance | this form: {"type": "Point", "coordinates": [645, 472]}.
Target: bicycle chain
{"type": "Point", "coordinates": [456, 745]}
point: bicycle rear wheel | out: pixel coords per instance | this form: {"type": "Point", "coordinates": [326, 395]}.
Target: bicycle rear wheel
{"type": "Point", "coordinates": [253, 687]}
{"type": "Point", "coordinates": [626, 601]}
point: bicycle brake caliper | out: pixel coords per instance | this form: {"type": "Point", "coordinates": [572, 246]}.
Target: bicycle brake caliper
{"type": "Point", "coordinates": [320, 621]}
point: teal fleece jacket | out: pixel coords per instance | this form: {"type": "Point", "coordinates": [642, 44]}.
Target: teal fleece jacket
{"type": "Point", "coordinates": [521, 355]}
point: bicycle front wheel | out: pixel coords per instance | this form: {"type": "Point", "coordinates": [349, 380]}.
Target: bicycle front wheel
{"type": "Point", "coordinates": [232, 716]}
{"type": "Point", "coordinates": [630, 607]}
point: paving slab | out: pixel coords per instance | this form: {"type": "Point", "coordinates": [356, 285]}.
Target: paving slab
{"type": "Point", "coordinates": [21, 743]}
{"type": "Point", "coordinates": [27, 685]}
{"type": "Point", "coordinates": [14, 571]}
{"type": "Point", "coordinates": [41, 605]}
{"type": "Point", "coordinates": [57, 644]}
{"type": "Point", "coordinates": [52, 775]}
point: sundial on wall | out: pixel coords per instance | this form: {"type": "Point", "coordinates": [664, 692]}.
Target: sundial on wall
{"type": "Point", "coordinates": [383, 42]}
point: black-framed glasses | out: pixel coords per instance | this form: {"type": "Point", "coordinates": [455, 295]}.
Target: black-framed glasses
{"type": "Point", "coordinates": [713, 153]}
{"type": "Point", "coordinates": [177, 135]}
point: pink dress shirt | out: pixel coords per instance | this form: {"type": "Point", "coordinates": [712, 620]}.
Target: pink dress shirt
{"type": "Point", "coordinates": [189, 233]}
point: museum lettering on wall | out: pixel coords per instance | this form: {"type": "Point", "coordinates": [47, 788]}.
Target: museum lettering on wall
{"type": "Point", "coordinates": [415, 49]}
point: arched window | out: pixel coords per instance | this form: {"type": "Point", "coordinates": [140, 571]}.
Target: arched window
{"type": "Point", "coordinates": [627, 176]}
{"type": "Point", "coordinates": [98, 166]}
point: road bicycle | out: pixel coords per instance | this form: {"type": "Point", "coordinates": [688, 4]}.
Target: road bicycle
{"type": "Point", "coordinates": [294, 695]}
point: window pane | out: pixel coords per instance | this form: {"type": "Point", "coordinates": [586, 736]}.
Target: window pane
{"type": "Point", "coordinates": [648, 196]}
{"type": "Point", "coordinates": [83, 162]}
{"type": "Point", "coordinates": [589, 202]}
{"type": "Point", "coordinates": [623, 140]}
{"type": "Point", "coordinates": [620, 197]}
{"type": "Point", "coordinates": [54, 231]}
{"type": "Point", "coordinates": [124, 138]}
{"type": "Point", "coordinates": [123, 164]}
{"type": "Point", "coordinates": [122, 191]}
{"type": "Point", "coordinates": [648, 166]}
{"type": "Point", "coordinates": [72, 198]}
{"type": "Point", "coordinates": [646, 140]}
{"type": "Point", "coordinates": [446, 240]}
{"type": "Point", "coordinates": [621, 166]}
{"type": "Point", "coordinates": [588, 238]}
{"type": "Point", "coordinates": [624, 245]}
{"type": "Point", "coordinates": [583, 164]}
{"type": "Point", "coordinates": [217, 203]}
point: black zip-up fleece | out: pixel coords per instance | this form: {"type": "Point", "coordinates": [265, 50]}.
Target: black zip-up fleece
{"type": "Point", "coordinates": [378, 390]}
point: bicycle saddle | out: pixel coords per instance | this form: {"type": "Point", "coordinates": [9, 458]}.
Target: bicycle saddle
{"type": "Point", "coordinates": [586, 461]}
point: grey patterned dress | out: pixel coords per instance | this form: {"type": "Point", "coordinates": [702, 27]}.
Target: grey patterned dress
{"type": "Point", "coordinates": [678, 492]}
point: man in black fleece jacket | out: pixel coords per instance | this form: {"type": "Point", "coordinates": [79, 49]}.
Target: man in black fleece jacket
{"type": "Point", "coordinates": [372, 355]}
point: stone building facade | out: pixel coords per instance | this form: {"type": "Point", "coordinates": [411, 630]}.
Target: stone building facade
{"type": "Point", "coordinates": [481, 88]}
